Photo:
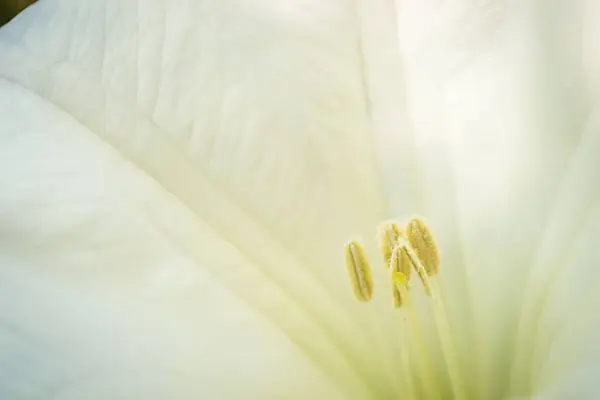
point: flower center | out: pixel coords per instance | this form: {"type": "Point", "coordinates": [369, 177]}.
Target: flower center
{"type": "Point", "coordinates": [404, 251]}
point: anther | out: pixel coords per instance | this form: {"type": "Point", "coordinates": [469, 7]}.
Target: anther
{"type": "Point", "coordinates": [359, 271]}
{"type": "Point", "coordinates": [406, 250]}
{"type": "Point", "coordinates": [401, 270]}
{"type": "Point", "coordinates": [422, 241]}
{"type": "Point", "coordinates": [389, 233]}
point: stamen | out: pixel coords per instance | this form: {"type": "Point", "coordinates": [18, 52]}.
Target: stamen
{"type": "Point", "coordinates": [439, 313]}
{"type": "Point", "coordinates": [406, 250]}
{"type": "Point", "coordinates": [359, 271]}
{"type": "Point", "coordinates": [402, 252]}
{"type": "Point", "coordinates": [389, 233]}
{"type": "Point", "coordinates": [422, 241]}
{"type": "Point", "coordinates": [422, 360]}
{"type": "Point", "coordinates": [401, 271]}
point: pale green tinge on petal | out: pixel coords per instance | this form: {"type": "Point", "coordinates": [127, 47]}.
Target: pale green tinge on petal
{"type": "Point", "coordinates": [499, 111]}
{"type": "Point", "coordinates": [564, 357]}
{"type": "Point", "coordinates": [564, 286]}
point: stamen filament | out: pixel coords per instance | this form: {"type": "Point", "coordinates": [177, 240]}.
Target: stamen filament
{"type": "Point", "coordinates": [403, 252]}
{"type": "Point", "coordinates": [441, 321]}
{"type": "Point", "coordinates": [422, 359]}
{"type": "Point", "coordinates": [409, 383]}
{"type": "Point", "coordinates": [448, 348]}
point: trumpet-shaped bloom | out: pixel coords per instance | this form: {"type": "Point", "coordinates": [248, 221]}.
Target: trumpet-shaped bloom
{"type": "Point", "coordinates": [178, 180]}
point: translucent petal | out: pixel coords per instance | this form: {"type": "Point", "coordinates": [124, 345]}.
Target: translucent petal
{"type": "Point", "coordinates": [498, 108]}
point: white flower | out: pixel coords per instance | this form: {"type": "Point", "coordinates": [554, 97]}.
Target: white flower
{"type": "Point", "coordinates": [179, 178]}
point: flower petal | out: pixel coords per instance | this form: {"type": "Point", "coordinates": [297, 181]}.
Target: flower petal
{"type": "Point", "coordinates": [499, 109]}
{"type": "Point", "coordinates": [252, 123]}
{"type": "Point", "coordinates": [288, 144]}
{"type": "Point", "coordinates": [106, 276]}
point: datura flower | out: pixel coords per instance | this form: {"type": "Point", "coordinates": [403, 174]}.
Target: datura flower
{"type": "Point", "coordinates": [300, 199]}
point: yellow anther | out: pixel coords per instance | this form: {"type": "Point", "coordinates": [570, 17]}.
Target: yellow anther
{"type": "Point", "coordinates": [406, 250]}
{"type": "Point", "coordinates": [401, 271]}
{"type": "Point", "coordinates": [359, 271]}
{"type": "Point", "coordinates": [389, 233]}
{"type": "Point", "coordinates": [422, 241]}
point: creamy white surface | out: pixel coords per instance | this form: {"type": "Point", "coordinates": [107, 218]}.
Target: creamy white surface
{"type": "Point", "coordinates": [178, 179]}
